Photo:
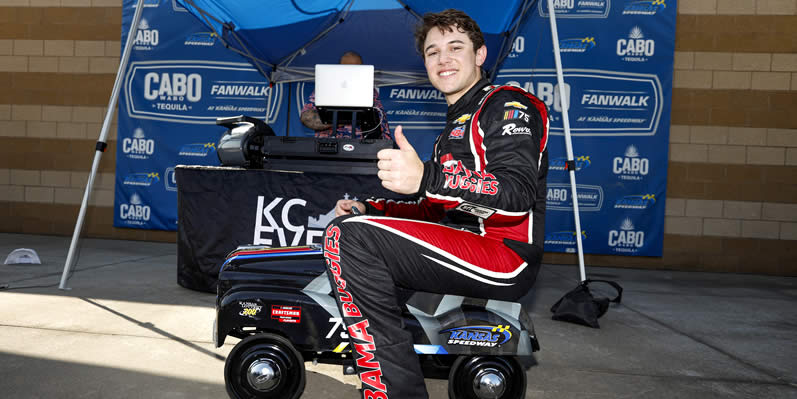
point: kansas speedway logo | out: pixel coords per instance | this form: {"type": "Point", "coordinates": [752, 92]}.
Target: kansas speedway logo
{"type": "Point", "coordinates": [487, 336]}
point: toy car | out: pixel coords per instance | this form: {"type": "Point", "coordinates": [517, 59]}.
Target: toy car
{"type": "Point", "coordinates": [279, 302]}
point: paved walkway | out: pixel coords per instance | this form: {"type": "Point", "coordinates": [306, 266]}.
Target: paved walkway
{"type": "Point", "coordinates": [127, 330]}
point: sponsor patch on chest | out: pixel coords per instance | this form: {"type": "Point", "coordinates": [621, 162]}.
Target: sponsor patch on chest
{"type": "Point", "coordinates": [462, 119]}
{"type": "Point", "coordinates": [457, 133]}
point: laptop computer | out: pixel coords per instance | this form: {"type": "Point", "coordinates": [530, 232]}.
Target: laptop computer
{"type": "Point", "coordinates": [338, 85]}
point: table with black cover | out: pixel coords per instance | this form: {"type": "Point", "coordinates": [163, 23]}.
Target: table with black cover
{"type": "Point", "coordinates": [220, 208]}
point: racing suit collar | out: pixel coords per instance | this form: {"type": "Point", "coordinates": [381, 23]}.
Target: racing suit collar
{"type": "Point", "coordinates": [464, 102]}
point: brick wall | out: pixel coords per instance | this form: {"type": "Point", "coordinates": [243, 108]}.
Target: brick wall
{"type": "Point", "coordinates": [732, 179]}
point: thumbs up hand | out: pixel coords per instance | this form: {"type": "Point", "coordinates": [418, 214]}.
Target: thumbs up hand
{"type": "Point", "coordinates": [400, 170]}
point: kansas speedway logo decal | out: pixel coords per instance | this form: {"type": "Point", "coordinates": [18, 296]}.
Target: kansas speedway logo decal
{"type": "Point", "coordinates": [487, 336]}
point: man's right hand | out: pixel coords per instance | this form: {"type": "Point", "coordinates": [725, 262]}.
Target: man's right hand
{"type": "Point", "coordinates": [343, 207]}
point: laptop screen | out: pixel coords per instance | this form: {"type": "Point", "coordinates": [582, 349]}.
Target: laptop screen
{"type": "Point", "coordinates": [338, 85]}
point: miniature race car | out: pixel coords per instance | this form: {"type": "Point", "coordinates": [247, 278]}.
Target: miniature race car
{"type": "Point", "coordinates": [279, 302]}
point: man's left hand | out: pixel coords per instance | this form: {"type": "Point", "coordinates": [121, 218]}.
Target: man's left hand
{"type": "Point", "coordinates": [400, 170]}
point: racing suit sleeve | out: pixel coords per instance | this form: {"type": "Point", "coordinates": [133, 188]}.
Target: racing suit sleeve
{"type": "Point", "coordinates": [507, 136]}
{"type": "Point", "coordinates": [422, 209]}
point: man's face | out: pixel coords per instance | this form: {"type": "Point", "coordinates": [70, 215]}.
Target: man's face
{"type": "Point", "coordinates": [349, 59]}
{"type": "Point", "coordinates": [452, 65]}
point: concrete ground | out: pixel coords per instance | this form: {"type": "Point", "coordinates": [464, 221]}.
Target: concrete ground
{"type": "Point", "coordinates": [127, 330]}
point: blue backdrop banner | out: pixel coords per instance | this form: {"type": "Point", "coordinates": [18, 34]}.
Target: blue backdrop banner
{"type": "Point", "coordinates": [618, 64]}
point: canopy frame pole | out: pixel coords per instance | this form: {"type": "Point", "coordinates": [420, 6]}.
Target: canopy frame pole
{"type": "Point", "coordinates": [509, 38]}
{"type": "Point", "coordinates": [341, 17]}
{"type": "Point", "coordinates": [101, 143]}
{"type": "Point", "coordinates": [205, 15]}
{"type": "Point", "coordinates": [568, 142]}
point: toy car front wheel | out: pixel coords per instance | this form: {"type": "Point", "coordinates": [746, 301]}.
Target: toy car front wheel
{"type": "Point", "coordinates": [486, 377]}
{"type": "Point", "coordinates": [264, 366]}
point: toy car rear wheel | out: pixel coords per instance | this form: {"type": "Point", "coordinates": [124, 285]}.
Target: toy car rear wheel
{"type": "Point", "coordinates": [264, 366]}
{"type": "Point", "coordinates": [486, 377]}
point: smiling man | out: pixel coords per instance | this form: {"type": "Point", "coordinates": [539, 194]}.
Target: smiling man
{"type": "Point", "coordinates": [476, 228]}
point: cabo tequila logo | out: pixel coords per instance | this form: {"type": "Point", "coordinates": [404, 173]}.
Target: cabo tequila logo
{"type": "Point", "coordinates": [141, 179]}
{"type": "Point", "coordinates": [488, 336]}
{"type": "Point", "coordinates": [627, 239]}
{"type": "Point", "coordinates": [635, 48]}
{"type": "Point", "coordinates": [172, 87]}
{"type": "Point", "coordinates": [577, 45]}
{"type": "Point", "coordinates": [631, 166]}
{"type": "Point", "coordinates": [146, 37]}
{"type": "Point", "coordinates": [635, 201]}
{"type": "Point", "coordinates": [135, 212]}
{"type": "Point", "coordinates": [518, 47]}
{"type": "Point", "coordinates": [645, 7]}
{"type": "Point", "coordinates": [138, 146]}
{"type": "Point", "coordinates": [197, 149]}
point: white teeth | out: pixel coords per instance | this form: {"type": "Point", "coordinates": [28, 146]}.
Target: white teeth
{"type": "Point", "coordinates": [447, 73]}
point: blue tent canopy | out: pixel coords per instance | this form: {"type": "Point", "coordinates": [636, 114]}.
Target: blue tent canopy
{"type": "Point", "coordinates": [284, 39]}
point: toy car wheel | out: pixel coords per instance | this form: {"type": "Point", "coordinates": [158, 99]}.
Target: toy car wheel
{"type": "Point", "coordinates": [264, 366]}
{"type": "Point", "coordinates": [486, 377]}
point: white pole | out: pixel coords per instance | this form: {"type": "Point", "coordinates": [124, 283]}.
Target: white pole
{"type": "Point", "coordinates": [563, 101]}
{"type": "Point", "coordinates": [100, 148]}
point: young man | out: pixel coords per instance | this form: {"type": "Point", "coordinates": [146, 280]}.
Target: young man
{"type": "Point", "coordinates": [476, 229]}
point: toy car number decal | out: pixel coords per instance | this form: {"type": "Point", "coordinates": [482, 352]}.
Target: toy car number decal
{"type": "Point", "coordinates": [338, 324]}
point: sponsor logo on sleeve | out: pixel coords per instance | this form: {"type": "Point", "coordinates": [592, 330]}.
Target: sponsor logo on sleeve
{"type": "Point", "coordinates": [512, 129]}
{"type": "Point", "coordinates": [515, 104]}
{"type": "Point", "coordinates": [514, 114]}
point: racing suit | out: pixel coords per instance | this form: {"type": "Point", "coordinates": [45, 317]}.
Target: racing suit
{"type": "Point", "coordinates": [476, 230]}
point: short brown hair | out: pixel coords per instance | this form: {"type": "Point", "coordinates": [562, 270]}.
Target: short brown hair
{"type": "Point", "coordinates": [447, 20]}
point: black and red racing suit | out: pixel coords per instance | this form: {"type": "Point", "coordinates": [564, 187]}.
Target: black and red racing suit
{"type": "Point", "coordinates": [476, 230]}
